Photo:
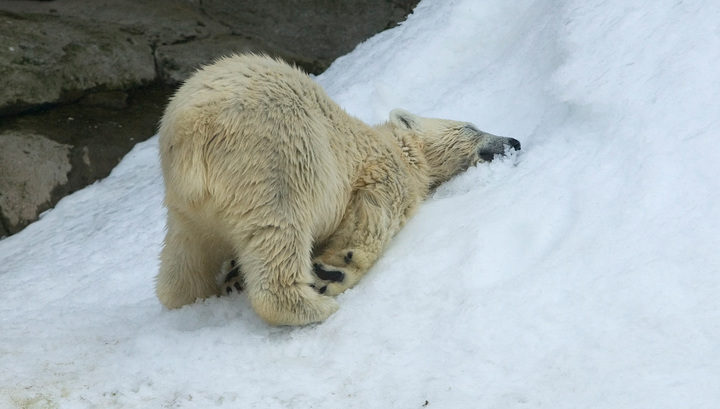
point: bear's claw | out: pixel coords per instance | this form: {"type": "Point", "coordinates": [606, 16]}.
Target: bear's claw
{"type": "Point", "coordinates": [320, 290]}
{"type": "Point", "coordinates": [231, 278]}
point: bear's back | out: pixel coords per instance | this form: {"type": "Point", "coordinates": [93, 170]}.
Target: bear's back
{"type": "Point", "coordinates": [249, 121]}
{"type": "Point", "coordinates": [239, 83]}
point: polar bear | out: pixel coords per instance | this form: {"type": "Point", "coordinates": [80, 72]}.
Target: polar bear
{"type": "Point", "coordinates": [261, 167]}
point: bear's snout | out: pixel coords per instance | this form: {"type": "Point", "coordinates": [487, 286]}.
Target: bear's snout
{"type": "Point", "coordinates": [488, 152]}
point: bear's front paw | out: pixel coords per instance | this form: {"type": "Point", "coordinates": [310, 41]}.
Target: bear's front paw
{"type": "Point", "coordinates": [326, 276]}
{"type": "Point", "coordinates": [230, 278]}
{"type": "Point", "coordinates": [333, 280]}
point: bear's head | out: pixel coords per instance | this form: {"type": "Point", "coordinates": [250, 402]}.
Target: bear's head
{"type": "Point", "coordinates": [451, 146]}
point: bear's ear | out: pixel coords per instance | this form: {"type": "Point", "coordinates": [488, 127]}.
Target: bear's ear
{"type": "Point", "coordinates": [404, 119]}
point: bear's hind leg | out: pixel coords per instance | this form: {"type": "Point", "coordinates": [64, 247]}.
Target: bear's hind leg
{"type": "Point", "coordinates": [278, 277]}
{"type": "Point", "coordinates": [189, 262]}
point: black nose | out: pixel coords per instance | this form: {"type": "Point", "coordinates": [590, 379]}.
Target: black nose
{"type": "Point", "coordinates": [514, 143]}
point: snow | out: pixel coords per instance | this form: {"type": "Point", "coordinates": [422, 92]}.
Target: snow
{"type": "Point", "coordinates": [581, 272]}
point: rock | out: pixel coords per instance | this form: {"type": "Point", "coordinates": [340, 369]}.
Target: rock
{"type": "Point", "coordinates": [32, 167]}
{"type": "Point", "coordinates": [51, 59]}
{"type": "Point", "coordinates": [318, 30]}
{"type": "Point", "coordinates": [94, 136]}
{"type": "Point", "coordinates": [57, 51]}
{"type": "Point", "coordinates": [159, 21]}
{"type": "Point", "coordinates": [176, 62]}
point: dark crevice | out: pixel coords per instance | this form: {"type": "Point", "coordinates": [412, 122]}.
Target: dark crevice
{"type": "Point", "coordinates": [4, 229]}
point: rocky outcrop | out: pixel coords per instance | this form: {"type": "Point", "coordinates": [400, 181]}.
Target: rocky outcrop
{"type": "Point", "coordinates": [93, 135]}
{"type": "Point", "coordinates": [51, 59]}
{"type": "Point", "coordinates": [82, 81]}
{"type": "Point", "coordinates": [32, 166]}
{"type": "Point", "coordinates": [317, 31]}
{"type": "Point", "coordinates": [55, 51]}
{"type": "Point", "coordinates": [175, 62]}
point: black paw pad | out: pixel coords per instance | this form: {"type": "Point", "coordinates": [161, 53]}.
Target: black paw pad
{"type": "Point", "coordinates": [321, 290]}
{"type": "Point", "coordinates": [237, 286]}
{"type": "Point", "coordinates": [336, 276]}
{"type": "Point", "coordinates": [232, 274]}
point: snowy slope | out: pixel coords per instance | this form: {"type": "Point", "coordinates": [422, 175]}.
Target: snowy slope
{"type": "Point", "coordinates": [581, 273]}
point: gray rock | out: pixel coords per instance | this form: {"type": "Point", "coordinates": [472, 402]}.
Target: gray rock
{"type": "Point", "coordinates": [95, 133]}
{"type": "Point", "coordinates": [50, 59]}
{"type": "Point", "coordinates": [176, 62]}
{"type": "Point", "coordinates": [32, 167]}
{"type": "Point", "coordinates": [159, 21]}
{"type": "Point", "coordinates": [318, 30]}
{"type": "Point", "coordinates": [57, 51]}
